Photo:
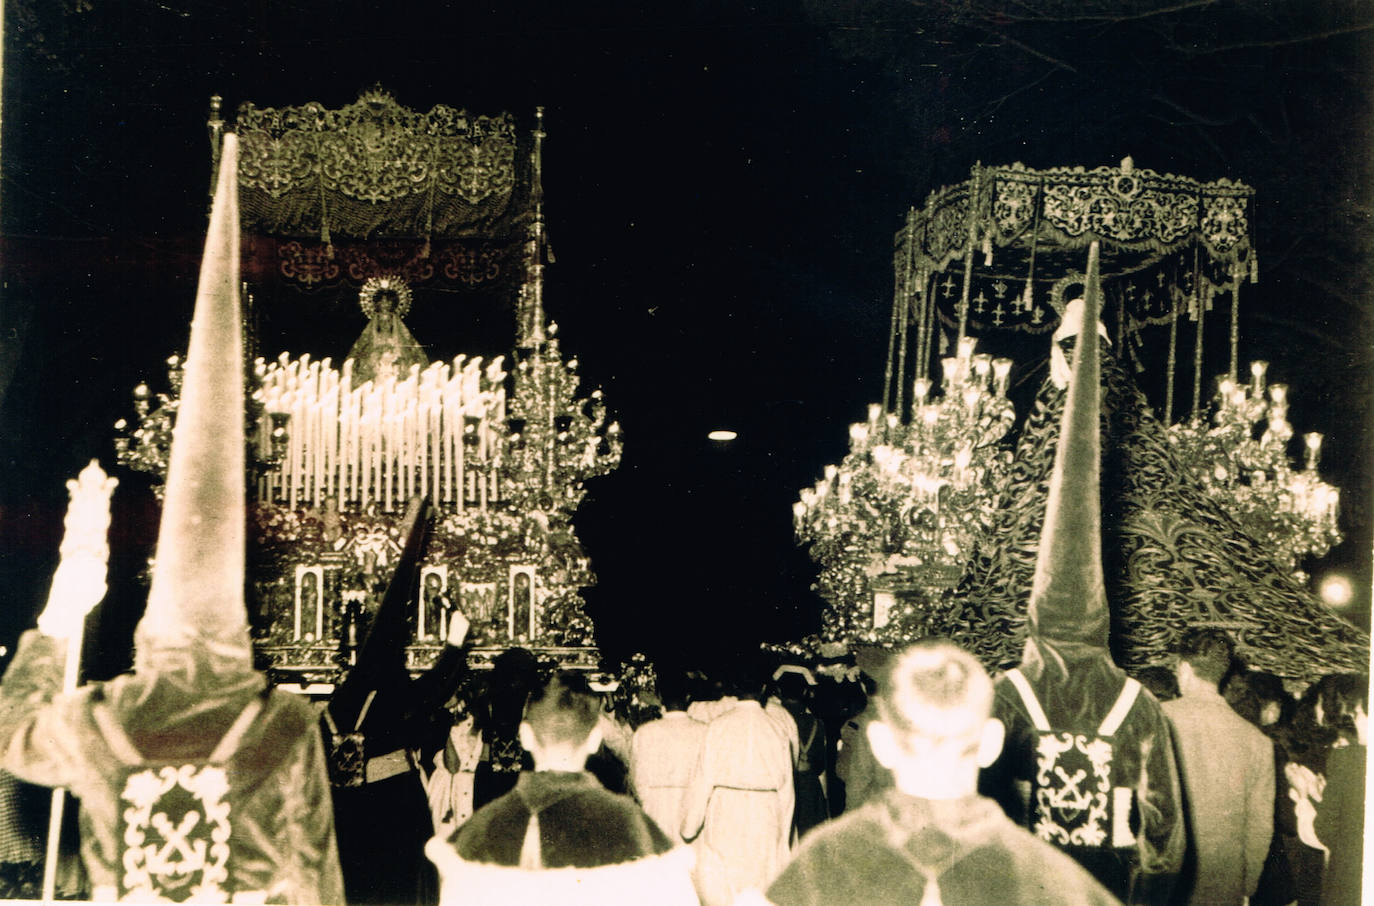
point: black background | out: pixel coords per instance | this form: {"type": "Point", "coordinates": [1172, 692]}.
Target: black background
{"type": "Point", "coordinates": [723, 182]}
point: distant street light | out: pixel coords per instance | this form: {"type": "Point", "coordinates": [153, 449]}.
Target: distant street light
{"type": "Point", "coordinates": [1336, 591]}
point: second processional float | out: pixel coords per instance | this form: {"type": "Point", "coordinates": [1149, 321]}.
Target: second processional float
{"type": "Point", "coordinates": [930, 524]}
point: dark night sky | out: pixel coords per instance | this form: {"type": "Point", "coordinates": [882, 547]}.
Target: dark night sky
{"type": "Point", "coordinates": [723, 181]}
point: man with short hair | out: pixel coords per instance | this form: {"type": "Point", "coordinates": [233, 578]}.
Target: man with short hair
{"type": "Point", "coordinates": [558, 836]}
{"type": "Point", "coordinates": [739, 801]}
{"type": "Point", "coordinates": [932, 838]}
{"type": "Point", "coordinates": [663, 753]}
{"type": "Point", "coordinates": [1228, 777]}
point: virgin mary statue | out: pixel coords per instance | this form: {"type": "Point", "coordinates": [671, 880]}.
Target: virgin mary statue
{"type": "Point", "coordinates": [386, 348]}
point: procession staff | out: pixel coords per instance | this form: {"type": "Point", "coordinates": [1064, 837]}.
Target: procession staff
{"type": "Point", "coordinates": [197, 781]}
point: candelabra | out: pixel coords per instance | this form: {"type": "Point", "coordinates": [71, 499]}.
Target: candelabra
{"type": "Point", "coordinates": [555, 441]}
{"type": "Point", "coordinates": [1243, 460]}
{"type": "Point", "coordinates": [892, 526]}
{"type": "Point", "coordinates": [147, 447]}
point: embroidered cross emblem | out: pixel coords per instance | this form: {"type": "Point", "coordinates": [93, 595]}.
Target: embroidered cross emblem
{"type": "Point", "coordinates": [188, 856]}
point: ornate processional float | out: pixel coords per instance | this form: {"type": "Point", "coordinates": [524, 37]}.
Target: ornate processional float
{"type": "Point", "coordinates": [379, 204]}
{"type": "Point", "coordinates": [930, 523]}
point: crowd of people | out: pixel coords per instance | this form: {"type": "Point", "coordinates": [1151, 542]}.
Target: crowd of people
{"type": "Point", "coordinates": [754, 783]}
{"type": "Point", "coordinates": [793, 786]}
{"type": "Point", "coordinates": [925, 780]}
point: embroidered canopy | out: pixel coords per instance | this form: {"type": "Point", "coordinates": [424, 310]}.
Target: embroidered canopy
{"type": "Point", "coordinates": [1004, 249]}
{"type": "Point", "coordinates": [374, 188]}
{"type": "Point", "coordinates": [374, 168]}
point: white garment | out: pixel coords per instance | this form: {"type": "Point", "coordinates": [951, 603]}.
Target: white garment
{"type": "Point", "coordinates": [450, 793]}
{"type": "Point", "coordinates": [1070, 325]}
{"type": "Point", "coordinates": [787, 724]}
{"type": "Point", "coordinates": [707, 711]}
{"type": "Point", "coordinates": [615, 735]}
{"type": "Point", "coordinates": [662, 880]}
{"type": "Point", "coordinates": [663, 753]}
{"type": "Point", "coordinates": [739, 804]}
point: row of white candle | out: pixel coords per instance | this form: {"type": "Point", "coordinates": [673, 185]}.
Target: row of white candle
{"type": "Point", "coordinates": [434, 432]}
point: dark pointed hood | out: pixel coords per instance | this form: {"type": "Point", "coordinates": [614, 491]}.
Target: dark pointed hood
{"type": "Point", "coordinates": [1068, 601]}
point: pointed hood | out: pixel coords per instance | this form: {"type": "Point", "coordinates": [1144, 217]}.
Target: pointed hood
{"type": "Point", "coordinates": [196, 603]}
{"type": "Point", "coordinates": [1068, 601]}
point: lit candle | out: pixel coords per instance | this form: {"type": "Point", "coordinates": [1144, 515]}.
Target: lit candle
{"type": "Point", "coordinates": [921, 389]}
{"type": "Point", "coordinates": [1001, 376]}
{"type": "Point", "coordinates": [1313, 442]}
{"type": "Point", "coordinates": [387, 448]}
{"type": "Point", "coordinates": [962, 459]}
{"type": "Point", "coordinates": [1257, 371]}
{"type": "Point", "coordinates": [982, 367]}
{"type": "Point", "coordinates": [949, 368]}
{"type": "Point", "coordinates": [1278, 394]}
{"type": "Point", "coordinates": [966, 345]}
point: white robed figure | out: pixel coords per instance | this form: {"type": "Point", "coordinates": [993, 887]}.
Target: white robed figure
{"type": "Point", "coordinates": [663, 754]}
{"type": "Point", "coordinates": [738, 807]}
{"type": "Point", "coordinates": [450, 786]}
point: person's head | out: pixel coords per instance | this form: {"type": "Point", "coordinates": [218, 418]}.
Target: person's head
{"type": "Point", "coordinates": [934, 728]}
{"type": "Point", "coordinates": [1204, 658]}
{"type": "Point", "coordinates": [1160, 680]}
{"type": "Point", "coordinates": [671, 686]}
{"type": "Point", "coordinates": [560, 725]}
{"type": "Point", "coordinates": [793, 684]}
{"type": "Point", "coordinates": [1258, 697]}
{"type": "Point", "coordinates": [1342, 705]}
{"type": "Point", "coordinates": [1272, 700]}
{"type": "Point", "coordinates": [744, 677]}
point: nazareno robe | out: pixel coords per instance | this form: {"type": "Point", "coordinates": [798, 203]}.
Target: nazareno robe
{"type": "Point", "coordinates": [184, 762]}
{"type": "Point", "coordinates": [561, 838]}
{"type": "Point", "coordinates": [383, 822]}
{"type": "Point", "coordinates": [1077, 686]}
{"type": "Point", "coordinates": [900, 851]}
